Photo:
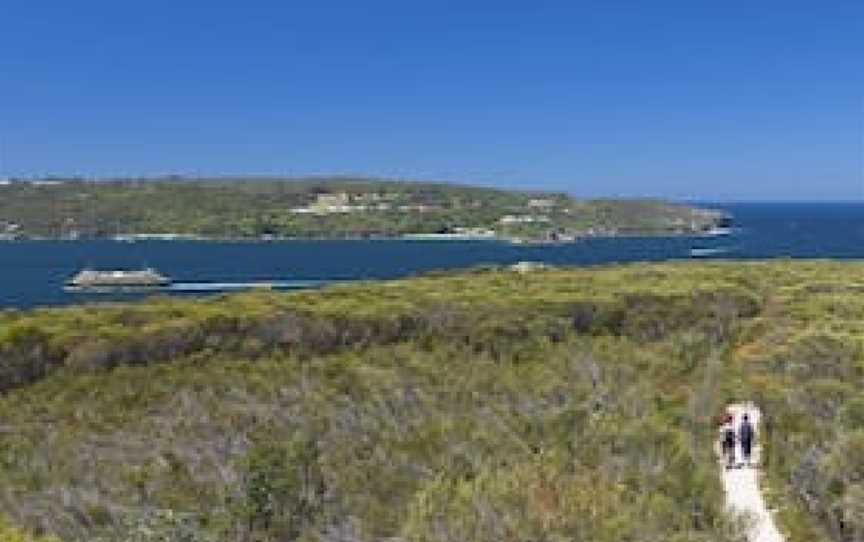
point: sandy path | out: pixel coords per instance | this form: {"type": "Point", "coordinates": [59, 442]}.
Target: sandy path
{"type": "Point", "coordinates": [742, 484]}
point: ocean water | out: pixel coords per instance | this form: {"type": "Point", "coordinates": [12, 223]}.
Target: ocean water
{"type": "Point", "coordinates": [33, 273]}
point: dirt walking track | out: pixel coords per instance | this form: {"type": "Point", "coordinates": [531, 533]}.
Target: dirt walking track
{"type": "Point", "coordinates": [741, 485]}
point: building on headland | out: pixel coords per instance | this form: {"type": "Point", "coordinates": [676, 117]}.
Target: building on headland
{"type": "Point", "coordinates": [336, 199]}
{"type": "Point", "coordinates": [542, 203]}
{"type": "Point", "coordinates": [10, 231]}
{"type": "Point", "coordinates": [523, 219]}
{"type": "Point", "coordinates": [132, 237]}
{"type": "Point", "coordinates": [420, 208]}
{"type": "Point", "coordinates": [343, 202]}
{"type": "Point", "coordinates": [455, 234]}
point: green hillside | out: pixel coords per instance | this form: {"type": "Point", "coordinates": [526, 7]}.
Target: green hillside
{"type": "Point", "coordinates": [320, 208]}
{"type": "Point", "coordinates": [559, 404]}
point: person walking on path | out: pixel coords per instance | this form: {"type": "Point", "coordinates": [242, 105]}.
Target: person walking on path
{"type": "Point", "coordinates": [727, 435]}
{"type": "Point", "coordinates": [745, 437]}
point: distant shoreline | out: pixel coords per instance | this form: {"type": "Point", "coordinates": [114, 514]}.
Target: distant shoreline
{"type": "Point", "coordinates": [415, 238]}
{"type": "Point", "coordinates": [327, 208]}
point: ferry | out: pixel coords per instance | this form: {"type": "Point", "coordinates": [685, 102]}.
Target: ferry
{"type": "Point", "coordinates": [118, 278]}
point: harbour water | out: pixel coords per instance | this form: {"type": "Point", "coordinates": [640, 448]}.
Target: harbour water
{"type": "Point", "coordinates": [33, 273]}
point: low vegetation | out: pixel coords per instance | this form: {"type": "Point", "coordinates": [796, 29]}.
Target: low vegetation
{"type": "Point", "coordinates": [803, 360]}
{"type": "Point", "coordinates": [559, 404]}
{"type": "Point", "coordinates": [257, 208]}
{"type": "Point", "coordinates": [9, 533]}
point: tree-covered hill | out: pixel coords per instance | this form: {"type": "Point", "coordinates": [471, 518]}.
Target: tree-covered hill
{"type": "Point", "coordinates": [320, 207]}
{"type": "Point", "coordinates": [554, 404]}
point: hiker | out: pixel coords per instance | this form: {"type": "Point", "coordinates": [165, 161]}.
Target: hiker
{"type": "Point", "coordinates": [745, 436]}
{"type": "Point", "coordinates": [727, 436]}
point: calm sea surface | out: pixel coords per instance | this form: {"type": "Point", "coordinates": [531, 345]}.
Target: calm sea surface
{"type": "Point", "coordinates": [33, 273]}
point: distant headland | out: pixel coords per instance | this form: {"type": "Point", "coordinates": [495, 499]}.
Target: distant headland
{"type": "Point", "coordinates": [256, 208]}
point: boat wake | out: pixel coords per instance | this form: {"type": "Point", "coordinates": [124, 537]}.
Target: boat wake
{"type": "Point", "coordinates": [180, 287]}
{"type": "Point", "coordinates": [230, 286]}
{"type": "Point", "coordinates": [708, 252]}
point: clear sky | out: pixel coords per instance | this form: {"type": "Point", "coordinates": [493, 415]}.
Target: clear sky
{"type": "Point", "coordinates": [684, 99]}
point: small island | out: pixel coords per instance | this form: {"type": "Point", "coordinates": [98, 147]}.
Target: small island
{"type": "Point", "coordinates": [255, 208]}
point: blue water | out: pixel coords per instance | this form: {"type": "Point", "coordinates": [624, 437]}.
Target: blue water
{"type": "Point", "coordinates": [33, 273]}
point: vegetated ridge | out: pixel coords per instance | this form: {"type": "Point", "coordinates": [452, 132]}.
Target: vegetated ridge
{"type": "Point", "coordinates": [487, 405]}
{"type": "Point", "coordinates": [329, 208]}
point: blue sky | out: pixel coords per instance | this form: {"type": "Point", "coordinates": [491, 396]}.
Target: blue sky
{"type": "Point", "coordinates": [706, 100]}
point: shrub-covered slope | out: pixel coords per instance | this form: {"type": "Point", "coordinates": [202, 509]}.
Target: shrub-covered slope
{"type": "Point", "coordinates": [552, 405]}
{"type": "Point", "coordinates": [803, 360]}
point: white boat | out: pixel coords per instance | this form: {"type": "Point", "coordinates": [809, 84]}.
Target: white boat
{"type": "Point", "coordinates": [718, 231]}
{"type": "Point", "coordinates": [118, 278]}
